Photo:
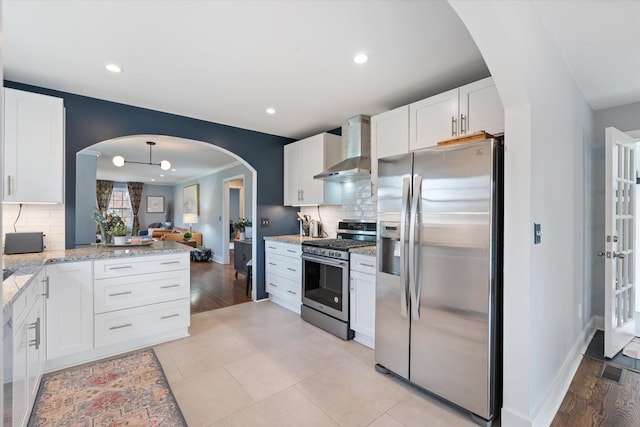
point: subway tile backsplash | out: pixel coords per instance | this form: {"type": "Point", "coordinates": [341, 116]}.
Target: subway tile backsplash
{"type": "Point", "coordinates": [46, 218]}
{"type": "Point", "coordinates": [356, 204]}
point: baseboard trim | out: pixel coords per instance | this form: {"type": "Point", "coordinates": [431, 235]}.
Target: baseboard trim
{"type": "Point", "coordinates": [218, 259]}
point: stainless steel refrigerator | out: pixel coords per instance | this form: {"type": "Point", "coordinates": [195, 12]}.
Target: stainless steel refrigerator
{"type": "Point", "coordinates": [439, 278]}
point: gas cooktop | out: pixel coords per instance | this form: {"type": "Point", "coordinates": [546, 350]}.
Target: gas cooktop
{"type": "Point", "coordinates": [338, 244]}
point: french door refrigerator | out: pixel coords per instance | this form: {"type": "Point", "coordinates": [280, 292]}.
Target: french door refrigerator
{"type": "Point", "coordinates": [439, 278]}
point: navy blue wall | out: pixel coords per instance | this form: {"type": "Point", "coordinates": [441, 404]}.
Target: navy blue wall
{"type": "Point", "coordinates": [90, 120]}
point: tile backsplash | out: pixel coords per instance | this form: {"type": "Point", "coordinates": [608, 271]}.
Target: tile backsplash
{"type": "Point", "coordinates": [46, 218]}
{"type": "Point", "coordinates": [356, 204]}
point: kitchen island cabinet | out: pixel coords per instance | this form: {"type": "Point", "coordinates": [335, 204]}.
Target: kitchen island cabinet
{"type": "Point", "coordinates": [33, 148]}
{"type": "Point", "coordinates": [283, 274]}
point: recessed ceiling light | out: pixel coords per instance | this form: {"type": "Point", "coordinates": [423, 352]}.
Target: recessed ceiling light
{"type": "Point", "coordinates": [173, 170]}
{"type": "Point", "coordinates": [153, 179]}
{"type": "Point", "coordinates": [360, 58]}
{"type": "Point", "coordinates": [161, 176]}
{"type": "Point", "coordinates": [271, 110]}
{"type": "Point", "coordinates": [113, 68]}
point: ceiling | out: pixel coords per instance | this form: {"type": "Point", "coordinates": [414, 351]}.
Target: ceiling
{"type": "Point", "coordinates": [227, 61]}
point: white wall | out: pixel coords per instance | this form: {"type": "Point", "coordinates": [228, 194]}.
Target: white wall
{"type": "Point", "coordinates": [548, 130]}
{"type": "Point", "coordinates": [211, 197]}
{"type": "Point", "coordinates": [86, 165]}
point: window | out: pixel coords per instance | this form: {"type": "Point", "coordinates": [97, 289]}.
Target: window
{"type": "Point", "coordinates": [120, 203]}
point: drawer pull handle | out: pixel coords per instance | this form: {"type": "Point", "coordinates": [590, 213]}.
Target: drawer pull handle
{"type": "Point", "coordinates": [169, 316]}
{"type": "Point", "coordinates": [367, 265]}
{"type": "Point", "coordinates": [291, 250]}
{"type": "Point", "coordinates": [170, 262]}
{"type": "Point", "coordinates": [274, 285]}
{"type": "Point", "coordinates": [120, 293]}
{"type": "Point", "coordinates": [169, 286]}
{"type": "Point", "coordinates": [126, 325]}
{"type": "Point", "coordinates": [291, 269]}
{"type": "Point", "coordinates": [291, 292]}
{"type": "Point", "coordinates": [272, 247]}
{"type": "Point", "coordinates": [120, 268]}
{"type": "Point", "coordinates": [272, 263]}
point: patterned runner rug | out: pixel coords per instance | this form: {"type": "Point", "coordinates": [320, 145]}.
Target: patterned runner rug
{"type": "Point", "coordinates": [129, 390]}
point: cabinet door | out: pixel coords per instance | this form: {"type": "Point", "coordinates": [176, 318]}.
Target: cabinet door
{"type": "Point", "coordinates": [35, 349]}
{"type": "Point", "coordinates": [313, 163]}
{"type": "Point", "coordinates": [69, 309]}
{"type": "Point", "coordinates": [481, 108]}
{"type": "Point", "coordinates": [389, 136]}
{"type": "Point", "coordinates": [20, 385]}
{"type": "Point", "coordinates": [34, 147]}
{"type": "Point", "coordinates": [363, 305]}
{"type": "Point", "coordinates": [292, 173]}
{"type": "Point", "coordinates": [433, 119]}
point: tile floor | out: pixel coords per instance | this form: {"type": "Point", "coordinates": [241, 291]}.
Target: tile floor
{"type": "Point", "coordinates": [257, 364]}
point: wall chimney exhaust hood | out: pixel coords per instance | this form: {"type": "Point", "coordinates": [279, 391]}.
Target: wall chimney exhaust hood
{"type": "Point", "coordinates": [356, 148]}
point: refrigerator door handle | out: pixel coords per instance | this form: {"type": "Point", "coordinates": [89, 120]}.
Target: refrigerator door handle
{"type": "Point", "coordinates": [404, 278]}
{"type": "Point", "coordinates": [414, 268]}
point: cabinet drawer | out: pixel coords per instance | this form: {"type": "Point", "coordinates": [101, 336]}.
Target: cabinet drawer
{"type": "Point", "coordinates": [31, 291]}
{"type": "Point", "coordinates": [125, 325]}
{"type": "Point", "coordinates": [118, 267]}
{"type": "Point", "coordinates": [363, 263]}
{"type": "Point", "coordinates": [287, 249]}
{"type": "Point", "coordinates": [284, 288]}
{"type": "Point", "coordinates": [128, 292]}
{"type": "Point", "coordinates": [290, 268]}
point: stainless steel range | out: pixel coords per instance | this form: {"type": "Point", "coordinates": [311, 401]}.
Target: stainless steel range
{"type": "Point", "coordinates": [325, 276]}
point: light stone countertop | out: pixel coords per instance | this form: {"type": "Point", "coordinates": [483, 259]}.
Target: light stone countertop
{"type": "Point", "coordinates": [24, 266]}
{"type": "Point", "coordinates": [291, 238]}
{"type": "Point", "coordinates": [364, 250]}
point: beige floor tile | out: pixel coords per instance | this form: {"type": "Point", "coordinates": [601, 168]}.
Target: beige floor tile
{"type": "Point", "coordinates": [168, 365]}
{"type": "Point", "coordinates": [261, 375]}
{"type": "Point", "coordinates": [209, 397]}
{"type": "Point", "coordinates": [288, 408]}
{"type": "Point", "coordinates": [419, 409]}
{"type": "Point", "coordinates": [206, 352]}
{"type": "Point", "coordinates": [386, 421]}
{"type": "Point", "coordinates": [352, 394]}
{"type": "Point", "coordinates": [272, 334]}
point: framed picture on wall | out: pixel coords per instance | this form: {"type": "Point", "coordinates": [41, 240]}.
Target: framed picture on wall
{"type": "Point", "coordinates": [191, 199]}
{"type": "Point", "coordinates": [155, 204]}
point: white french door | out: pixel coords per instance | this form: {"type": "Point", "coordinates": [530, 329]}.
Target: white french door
{"type": "Point", "coordinates": [620, 241]}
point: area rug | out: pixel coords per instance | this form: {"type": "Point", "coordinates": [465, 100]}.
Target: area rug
{"type": "Point", "coordinates": [595, 350]}
{"type": "Point", "coordinates": [129, 390]}
{"type": "Point", "coordinates": [632, 349]}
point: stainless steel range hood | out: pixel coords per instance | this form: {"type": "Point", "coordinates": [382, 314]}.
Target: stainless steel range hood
{"type": "Point", "coordinates": [356, 148]}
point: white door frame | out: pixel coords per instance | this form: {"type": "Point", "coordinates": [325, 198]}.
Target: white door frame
{"type": "Point", "coordinates": [226, 186]}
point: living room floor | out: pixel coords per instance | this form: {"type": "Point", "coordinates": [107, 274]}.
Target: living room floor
{"type": "Point", "coordinates": [258, 364]}
{"type": "Point", "coordinates": [215, 286]}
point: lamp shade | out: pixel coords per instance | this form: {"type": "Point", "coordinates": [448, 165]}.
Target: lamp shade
{"type": "Point", "coordinates": [190, 218]}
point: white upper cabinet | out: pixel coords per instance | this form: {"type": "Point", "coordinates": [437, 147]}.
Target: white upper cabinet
{"type": "Point", "coordinates": [458, 112]}
{"type": "Point", "coordinates": [302, 160]}
{"type": "Point", "coordinates": [389, 137]}
{"type": "Point", "coordinates": [33, 148]}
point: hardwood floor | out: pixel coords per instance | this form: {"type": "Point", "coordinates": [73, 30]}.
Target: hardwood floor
{"type": "Point", "coordinates": [214, 286]}
{"type": "Point", "coordinates": [595, 401]}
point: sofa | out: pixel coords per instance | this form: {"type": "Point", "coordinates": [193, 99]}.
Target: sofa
{"type": "Point", "coordinates": [176, 235]}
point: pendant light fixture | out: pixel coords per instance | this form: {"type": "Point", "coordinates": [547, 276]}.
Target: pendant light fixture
{"type": "Point", "coordinates": [164, 164]}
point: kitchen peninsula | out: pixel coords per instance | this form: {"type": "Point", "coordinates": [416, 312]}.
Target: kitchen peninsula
{"type": "Point", "coordinates": [68, 307]}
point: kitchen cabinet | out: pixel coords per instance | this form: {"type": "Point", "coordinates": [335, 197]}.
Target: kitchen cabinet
{"type": "Point", "coordinates": [33, 148]}
{"type": "Point", "coordinates": [28, 350]}
{"type": "Point", "coordinates": [283, 274]}
{"type": "Point", "coordinates": [389, 137]}
{"type": "Point", "coordinates": [465, 110]}
{"type": "Point", "coordinates": [139, 298]}
{"type": "Point", "coordinates": [69, 308]}
{"type": "Point", "coordinates": [241, 255]}
{"type": "Point", "coordinates": [362, 298]}
{"type": "Point", "coordinates": [302, 160]}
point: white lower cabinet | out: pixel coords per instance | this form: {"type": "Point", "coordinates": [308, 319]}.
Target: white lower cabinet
{"type": "Point", "coordinates": [283, 274]}
{"type": "Point", "coordinates": [69, 303]}
{"type": "Point", "coordinates": [362, 298]}
{"type": "Point", "coordinates": [28, 351]}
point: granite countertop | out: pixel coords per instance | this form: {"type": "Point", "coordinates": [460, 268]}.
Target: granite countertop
{"type": "Point", "coordinates": [364, 250]}
{"type": "Point", "coordinates": [24, 266]}
{"type": "Point", "coordinates": [291, 238]}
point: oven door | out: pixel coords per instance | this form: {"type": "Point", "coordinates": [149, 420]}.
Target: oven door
{"type": "Point", "coordinates": [325, 285]}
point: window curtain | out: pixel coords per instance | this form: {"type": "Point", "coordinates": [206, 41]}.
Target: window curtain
{"type": "Point", "coordinates": [135, 195]}
{"type": "Point", "coordinates": [103, 194]}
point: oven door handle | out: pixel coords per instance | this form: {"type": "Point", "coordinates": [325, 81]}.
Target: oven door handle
{"type": "Point", "coordinates": [324, 260]}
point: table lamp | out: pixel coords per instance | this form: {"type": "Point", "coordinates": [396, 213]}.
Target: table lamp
{"type": "Point", "coordinates": [190, 218]}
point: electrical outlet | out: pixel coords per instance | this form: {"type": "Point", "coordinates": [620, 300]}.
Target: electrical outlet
{"type": "Point", "coordinates": [537, 234]}
{"type": "Point", "coordinates": [264, 222]}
